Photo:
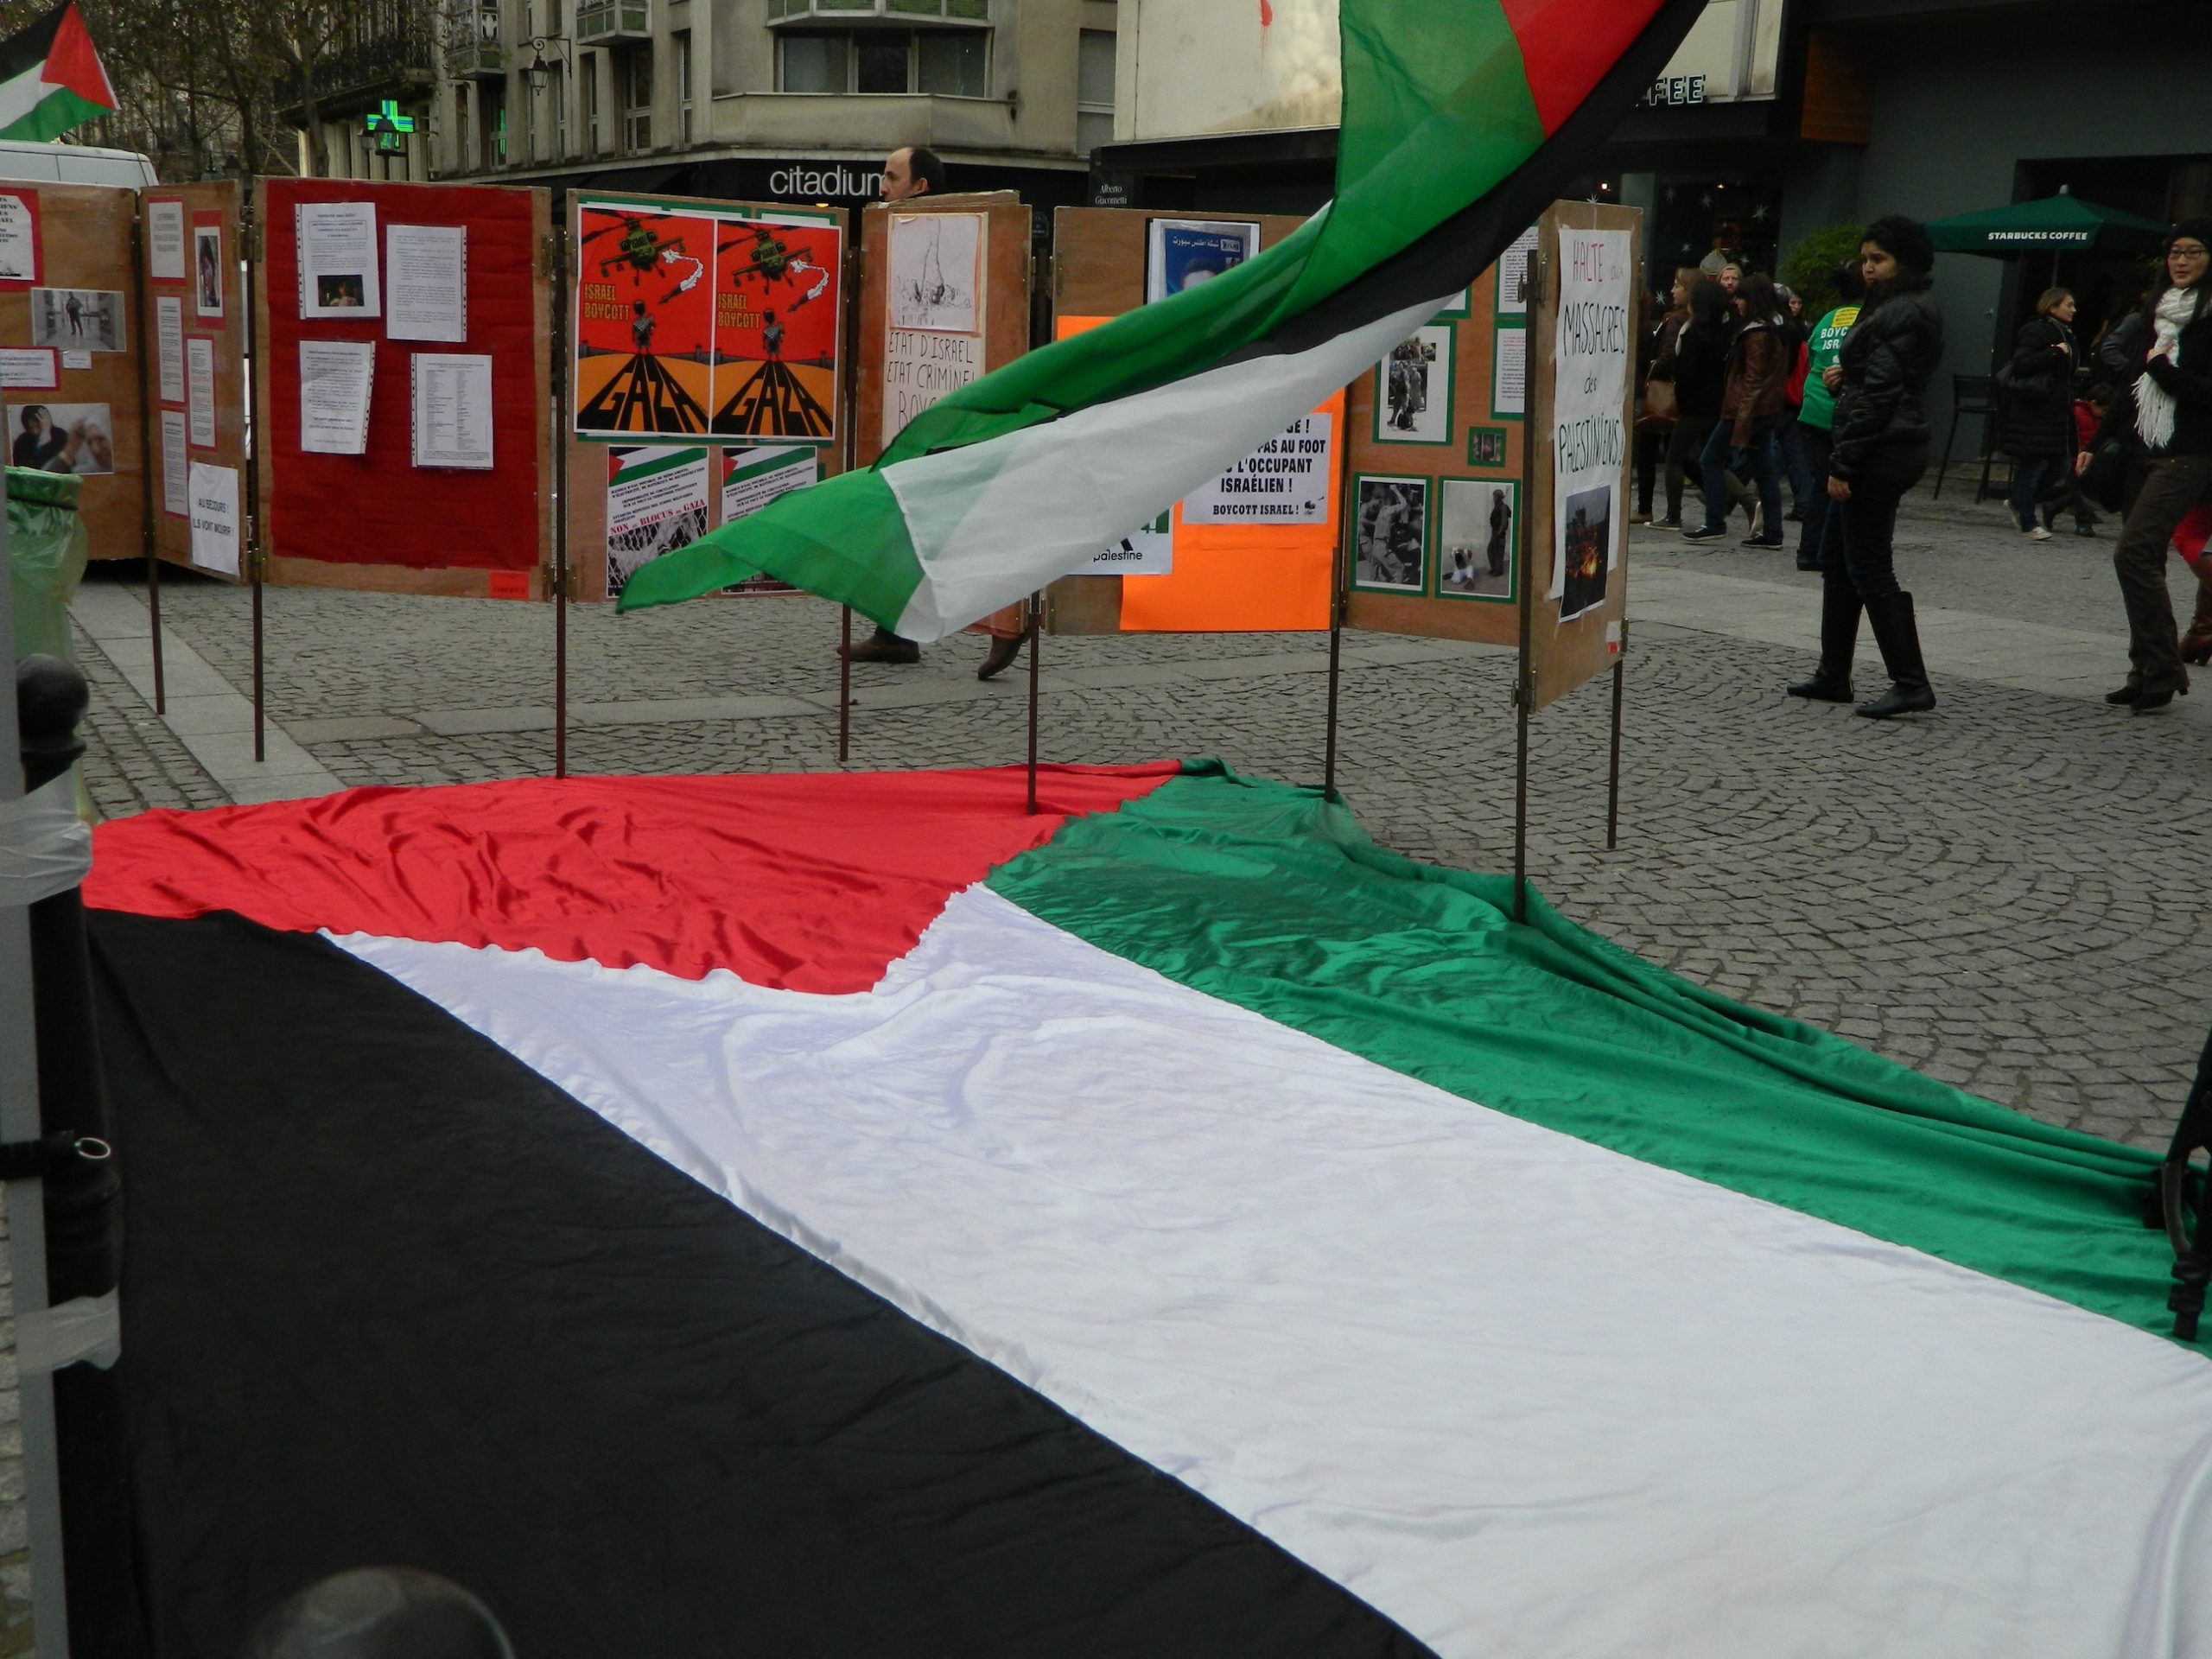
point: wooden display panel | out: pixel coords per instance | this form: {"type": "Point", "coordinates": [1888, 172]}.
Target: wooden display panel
{"type": "Point", "coordinates": [1564, 655]}
{"type": "Point", "coordinates": [202, 206]}
{"type": "Point", "coordinates": [1098, 270]}
{"type": "Point", "coordinates": [1005, 321]}
{"type": "Point", "coordinates": [589, 461]}
{"type": "Point", "coordinates": [395, 500]}
{"type": "Point", "coordinates": [85, 239]}
{"type": "Point", "coordinates": [1484, 448]}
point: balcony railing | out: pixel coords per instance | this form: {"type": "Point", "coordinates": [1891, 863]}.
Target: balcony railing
{"type": "Point", "coordinates": [847, 11]}
{"type": "Point", "coordinates": [473, 48]}
{"type": "Point", "coordinates": [601, 22]}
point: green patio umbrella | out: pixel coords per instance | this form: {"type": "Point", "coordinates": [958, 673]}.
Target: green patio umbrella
{"type": "Point", "coordinates": [2055, 225]}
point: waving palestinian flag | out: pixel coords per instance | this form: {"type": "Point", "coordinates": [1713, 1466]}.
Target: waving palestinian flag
{"type": "Point", "coordinates": [50, 80]}
{"type": "Point", "coordinates": [1461, 123]}
{"type": "Point", "coordinates": [845, 1215]}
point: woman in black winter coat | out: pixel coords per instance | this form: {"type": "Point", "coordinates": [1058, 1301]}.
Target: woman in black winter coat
{"type": "Point", "coordinates": [2038, 430]}
{"type": "Point", "coordinates": [1880, 451]}
{"type": "Point", "coordinates": [1699, 367]}
{"type": "Point", "coordinates": [2168, 414]}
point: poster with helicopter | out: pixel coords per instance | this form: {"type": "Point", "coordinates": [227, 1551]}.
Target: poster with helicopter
{"type": "Point", "coordinates": [706, 321]}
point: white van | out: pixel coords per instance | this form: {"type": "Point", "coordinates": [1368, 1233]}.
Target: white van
{"type": "Point", "coordinates": [56, 163]}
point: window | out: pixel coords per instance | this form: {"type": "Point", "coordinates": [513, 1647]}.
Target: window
{"type": "Point", "coordinates": [588, 89]}
{"type": "Point", "coordinates": [494, 106]}
{"type": "Point", "coordinates": [950, 62]}
{"type": "Point", "coordinates": [814, 63]}
{"type": "Point", "coordinates": [1094, 90]}
{"type": "Point", "coordinates": [680, 43]}
{"type": "Point", "coordinates": [556, 88]}
{"type": "Point", "coordinates": [464, 131]}
{"type": "Point", "coordinates": [634, 75]}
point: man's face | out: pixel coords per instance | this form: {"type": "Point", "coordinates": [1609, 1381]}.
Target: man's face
{"type": "Point", "coordinates": [899, 180]}
{"type": "Point", "coordinates": [1729, 277]}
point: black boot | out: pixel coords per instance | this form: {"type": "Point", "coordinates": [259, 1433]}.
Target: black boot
{"type": "Point", "coordinates": [1840, 608]}
{"type": "Point", "coordinates": [1899, 639]}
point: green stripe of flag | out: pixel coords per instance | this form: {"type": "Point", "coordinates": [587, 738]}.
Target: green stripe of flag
{"type": "Point", "coordinates": [59, 112]}
{"type": "Point", "coordinates": [830, 538]}
{"type": "Point", "coordinates": [1264, 896]}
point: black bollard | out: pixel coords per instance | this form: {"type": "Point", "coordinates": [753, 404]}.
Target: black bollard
{"type": "Point", "coordinates": [83, 1204]}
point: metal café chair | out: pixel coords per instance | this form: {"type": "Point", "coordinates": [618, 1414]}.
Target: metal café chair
{"type": "Point", "coordinates": [1973, 396]}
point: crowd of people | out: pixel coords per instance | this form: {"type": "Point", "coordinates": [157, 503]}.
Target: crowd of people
{"type": "Point", "coordinates": [1748, 396]}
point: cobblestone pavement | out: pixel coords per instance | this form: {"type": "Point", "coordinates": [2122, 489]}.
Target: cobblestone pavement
{"type": "Point", "coordinates": [2008, 894]}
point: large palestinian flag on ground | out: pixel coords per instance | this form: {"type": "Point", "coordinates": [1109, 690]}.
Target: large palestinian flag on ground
{"type": "Point", "coordinates": [1461, 123]}
{"type": "Point", "coordinates": [844, 1215]}
{"type": "Point", "coordinates": [51, 81]}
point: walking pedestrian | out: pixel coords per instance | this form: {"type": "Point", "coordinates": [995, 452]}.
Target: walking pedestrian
{"type": "Point", "coordinates": [1816, 419]}
{"type": "Point", "coordinates": [1699, 368]}
{"type": "Point", "coordinates": [2037, 431]}
{"type": "Point", "coordinates": [1752, 406]}
{"type": "Point", "coordinates": [1654, 428]}
{"type": "Point", "coordinates": [2169, 408]}
{"type": "Point", "coordinates": [1878, 450]}
{"type": "Point", "coordinates": [1796, 468]}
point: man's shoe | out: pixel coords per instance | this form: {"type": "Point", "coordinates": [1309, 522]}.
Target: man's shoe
{"type": "Point", "coordinates": [1001, 656]}
{"type": "Point", "coordinates": [1817, 689]}
{"type": "Point", "coordinates": [1761, 542]}
{"type": "Point", "coordinates": [1706, 533]}
{"type": "Point", "coordinates": [883, 646]}
{"type": "Point", "coordinates": [1666, 524]}
{"type": "Point", "coordinates": [2126, 694]}
{"type": "Point", "coordinates": [2037, 534]}
{"type": "Point", "coordinates": [1796, 516]}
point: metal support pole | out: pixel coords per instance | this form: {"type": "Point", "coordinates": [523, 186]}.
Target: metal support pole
{"type": "Point", "coordinates": [260, 694]}
{"type": "Point", "coordinates": [1524, 673]}
{"type": "Point", "coordinates": [1339, 582]}
{"type": "Point", "coordinates": [19, 1121]}
{"type": "Point", "coordinates": [845, 684]}
{"type": "Point", "coordinates": [1036, 638]}
{"type": "Point", "coordinates": [256, 531]}
{"type": "Point", "coordinates": [153, 614]}
{"type": "Point", "coordinates": [146, 471]}
{"type": "Point", "coordinates": [1613, 777]}
{"type": "Point", "coordinates": [563, 392]}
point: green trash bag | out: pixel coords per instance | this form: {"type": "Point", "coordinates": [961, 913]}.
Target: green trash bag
{"type": "Point", "coordinates": [47, 548]}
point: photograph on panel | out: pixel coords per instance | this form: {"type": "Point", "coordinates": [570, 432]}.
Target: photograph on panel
{"type": "Point", "coordinates": [1477, 528]}
{"type": "Point", "coordinates": [1412, 388]}
{"type": "Point", "coordinates": [1391, 536]}
{"type": "Point", "coordinates": [936, 262]}
{"type": "Point", "coordinates": [1585, 532]}
{"type": "Point", "coordinates": [76, 438]}
{"type": "Point", "coordinates": [77, 319]}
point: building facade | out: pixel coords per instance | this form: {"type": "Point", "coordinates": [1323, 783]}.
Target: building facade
{"type": "Point", "coordinates": [777, 100]}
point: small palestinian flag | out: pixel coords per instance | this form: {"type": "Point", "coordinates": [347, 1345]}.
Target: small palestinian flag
{"type": "Point", "coordinates": [51, 81]}
{"type": "Point", "coordinates": [1461, 123]}
{"type": "Point", "coordinates": [846, 1215]}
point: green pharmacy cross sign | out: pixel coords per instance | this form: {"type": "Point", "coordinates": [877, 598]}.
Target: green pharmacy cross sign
{"type": "Point", "coordinates": [388, 126]}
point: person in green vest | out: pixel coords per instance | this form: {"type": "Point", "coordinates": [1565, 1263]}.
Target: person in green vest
{"type": "Point", "coordinates": [1816, 418]}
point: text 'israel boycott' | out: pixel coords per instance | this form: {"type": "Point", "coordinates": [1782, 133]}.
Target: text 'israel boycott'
{"type": "Point", "coordinates": [1284, 481]}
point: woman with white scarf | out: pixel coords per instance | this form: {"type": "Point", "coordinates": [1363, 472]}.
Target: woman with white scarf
{"type": "Point", "coordinates": [2170, 416]}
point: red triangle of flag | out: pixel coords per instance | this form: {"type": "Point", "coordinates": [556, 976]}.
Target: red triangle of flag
{"type": "Point", "coordinates": [75, 66]}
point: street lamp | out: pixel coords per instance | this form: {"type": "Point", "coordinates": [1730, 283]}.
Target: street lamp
{"type": "Point", "coordinates": [537, 69]}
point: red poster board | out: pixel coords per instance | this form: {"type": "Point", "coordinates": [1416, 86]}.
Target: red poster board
{"type": "Point", "coordinates": [377, 520]}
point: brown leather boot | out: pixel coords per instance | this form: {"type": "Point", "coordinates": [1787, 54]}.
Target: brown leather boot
{"type": "Point", "coordinates": [2196, 644]}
